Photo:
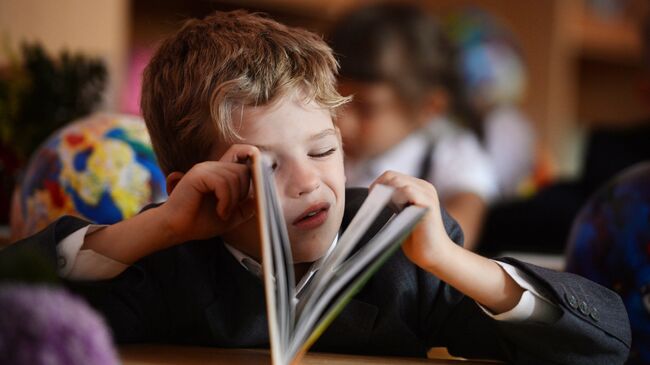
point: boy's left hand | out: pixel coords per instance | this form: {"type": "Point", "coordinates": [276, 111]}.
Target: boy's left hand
{"type": "Point", "coordinates": [431, 249]}
{"type": "Point", "coordinates": [429, 239]}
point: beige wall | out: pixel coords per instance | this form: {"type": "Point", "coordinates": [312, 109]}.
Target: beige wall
{"type": "Point", "coordinates": [94, 27]}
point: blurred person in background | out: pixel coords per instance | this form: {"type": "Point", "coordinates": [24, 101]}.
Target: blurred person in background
{"type": "Point", "coordinates": [409, 112]}
{"type": "Point", "coordinates": [495, 78]}
{"type": "Point", "coordinates": [545, 218]}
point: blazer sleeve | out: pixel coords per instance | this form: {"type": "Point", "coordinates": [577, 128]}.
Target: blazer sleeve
{"type": "Point", "coordinates": [593, 327]}
{"type": "Point", "coordinates": [130, 302]}
{"type": "Point", "coordinates": [44, 242]}
{"type": "Point", "coordinates": [133, 303]}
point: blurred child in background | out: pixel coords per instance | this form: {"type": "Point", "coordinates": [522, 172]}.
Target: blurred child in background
{"type": "Point", "coordinates": [409, 109]}
{"type": "Point", "coordinates": [495, 77]}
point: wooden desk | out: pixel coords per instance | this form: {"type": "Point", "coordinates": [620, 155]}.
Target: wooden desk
{"type": "Point", "coordinates": [163, 355]}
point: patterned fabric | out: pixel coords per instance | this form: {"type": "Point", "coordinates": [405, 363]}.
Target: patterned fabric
{"type": "Point", "coordinates": [101, 168]}
{"type": "Point", "coordinates": [610, 244]}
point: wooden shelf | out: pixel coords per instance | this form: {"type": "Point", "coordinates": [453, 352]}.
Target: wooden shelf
{"type": "Point", "coordinates": [615, 39]}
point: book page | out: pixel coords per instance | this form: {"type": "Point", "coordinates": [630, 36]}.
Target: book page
{"type": "Point", "coordinates": [350, 277]}
{"type": "Point", "coordinates": [291, 332]}
{"type": "Point", "coordinates": [375, 202]}
{"type": "Point", "coordinates": [282, 262]}
{"type": "Point", "coordinates": [277, 263]}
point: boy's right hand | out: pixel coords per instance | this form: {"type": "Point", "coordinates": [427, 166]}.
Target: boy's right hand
{"type": "Point", "coordinates": [211, 198]}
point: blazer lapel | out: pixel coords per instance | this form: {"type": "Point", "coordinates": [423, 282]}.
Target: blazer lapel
{"type": "Point", "coordinates": [237, 317]}
{"type": "Point", "coordinates": [351, 329]}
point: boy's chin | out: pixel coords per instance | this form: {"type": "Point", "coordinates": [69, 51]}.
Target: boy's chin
{"type": "Point", "coordinates": [309, 255]}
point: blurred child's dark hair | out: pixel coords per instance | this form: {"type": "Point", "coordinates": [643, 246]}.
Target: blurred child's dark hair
{"type": "Point", "coordinates": [403, 45]}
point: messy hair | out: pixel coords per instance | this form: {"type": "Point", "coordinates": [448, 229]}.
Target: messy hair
{"type": "Point", "coordinates": [212, 67]}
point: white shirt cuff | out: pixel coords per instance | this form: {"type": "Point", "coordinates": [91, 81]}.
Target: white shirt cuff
{"type": "Point", "coordinates": [77, 264]}
{"type": "Point", "coordinates": [532, 305]}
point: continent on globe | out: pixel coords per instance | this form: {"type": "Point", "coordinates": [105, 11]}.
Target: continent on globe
{"type": "Point", "coordinates": [101, 168]}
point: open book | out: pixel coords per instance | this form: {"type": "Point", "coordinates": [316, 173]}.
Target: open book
{"type": "Point", "coordinates": [295, 325]}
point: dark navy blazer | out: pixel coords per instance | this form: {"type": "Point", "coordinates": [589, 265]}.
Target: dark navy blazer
{"type": "Point", "coordinates": [197, 293]}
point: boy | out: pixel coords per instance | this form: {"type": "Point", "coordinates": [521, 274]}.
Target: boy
{"type": "Point", "coordinates": [224, 88]}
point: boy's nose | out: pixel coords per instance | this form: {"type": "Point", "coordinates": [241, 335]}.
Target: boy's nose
{"type": "Point", "coordinates": [302, 180]}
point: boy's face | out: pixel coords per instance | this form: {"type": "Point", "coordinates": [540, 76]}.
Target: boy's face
{"type": "Point", "coordinates": [306, 150]}
{"type": "Point", "coordinates": [374, 121]}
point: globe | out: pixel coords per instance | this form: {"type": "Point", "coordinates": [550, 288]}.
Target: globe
{"type": "Point", "coordinates": [101, 168]}
{"type": "Point", "coordinates": [610, 244]}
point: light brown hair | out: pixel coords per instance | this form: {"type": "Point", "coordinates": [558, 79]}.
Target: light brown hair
{"type": "Point", "coordinates": [202, 74]}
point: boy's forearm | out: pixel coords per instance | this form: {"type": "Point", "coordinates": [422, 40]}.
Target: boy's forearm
{"type": "Point", "coordinates": [477, 277]}
{"type": "Point", "coordinates": [131, 239]}
{"type": "Point", "coordinates": [468, 209]}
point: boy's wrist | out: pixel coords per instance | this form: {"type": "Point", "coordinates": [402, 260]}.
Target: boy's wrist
{"type": "Point", "coordinates": [129, 240]}
{"type": "Point", "coordinates": [440, 255]}
{"type": "Point", "coordinates": [168, 235]}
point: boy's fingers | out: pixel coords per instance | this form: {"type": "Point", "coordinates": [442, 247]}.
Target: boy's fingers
{"type": "Point", "coordinates": [240, 175]}
{"type": "Point", "coordinates": [219, 186]}
{"type": "Point", "coordinates": [239, 153]}
{"type": "Point", "coordinates": [408, 190]}
{"type": "Point", "coordinates": [387, 178]}
{"type": "Point", "coordinates": [242, 172]}
{"type": "Point", "coordinates": [210, 184]}
{"type": "Point", "coordinates": [244, 181]}
{"type": "Point", "coordinates": [232, 180]}
{"type": "Point", "coordinates": [406, 195]}
{"type": "Point", "coordinates": [243, 176]}
{"type": "Point", "coordinates": [244, 211]}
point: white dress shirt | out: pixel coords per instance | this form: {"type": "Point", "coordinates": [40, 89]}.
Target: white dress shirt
{"type": "Point", "coordinates": [459, 163]}
{"type": "Point", "coordinates": [510, 143]}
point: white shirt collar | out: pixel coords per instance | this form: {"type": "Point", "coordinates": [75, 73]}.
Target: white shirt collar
{"type": "Point", "coordinates": [255, 268]}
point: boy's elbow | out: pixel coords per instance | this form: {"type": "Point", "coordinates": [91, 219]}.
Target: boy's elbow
{"type": "Point", "coordinates": [621, 353]}
{"type": "Point", "coordinates": [620, 347]}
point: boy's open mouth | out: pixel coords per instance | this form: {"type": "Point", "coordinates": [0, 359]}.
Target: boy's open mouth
{"type": "Point", "coordinates": [313, 217]}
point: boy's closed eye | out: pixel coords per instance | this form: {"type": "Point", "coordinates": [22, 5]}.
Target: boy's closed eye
{"type": "Point", "coordinates": [316, 155]}
{"type": "Point", "coordinates": [323, 154]}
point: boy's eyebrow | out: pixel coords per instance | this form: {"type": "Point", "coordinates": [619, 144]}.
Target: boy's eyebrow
{"type": "Point", "coordinates": [322, 134]}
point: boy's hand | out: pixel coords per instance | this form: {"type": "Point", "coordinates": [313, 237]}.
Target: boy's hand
{"type": "Point", "coordinates": [211, 198]}
{"type": "Point", "coordinates": [427, 242]}
{"type": "Point", "coordinates": [430, 248]}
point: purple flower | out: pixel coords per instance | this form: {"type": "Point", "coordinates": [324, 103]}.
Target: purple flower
{"type": "Point", "coordinates": [47, 325]}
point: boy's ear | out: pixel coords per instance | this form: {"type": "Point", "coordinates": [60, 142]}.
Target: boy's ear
{"type": "Point", "coordinates": [172, 180]}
